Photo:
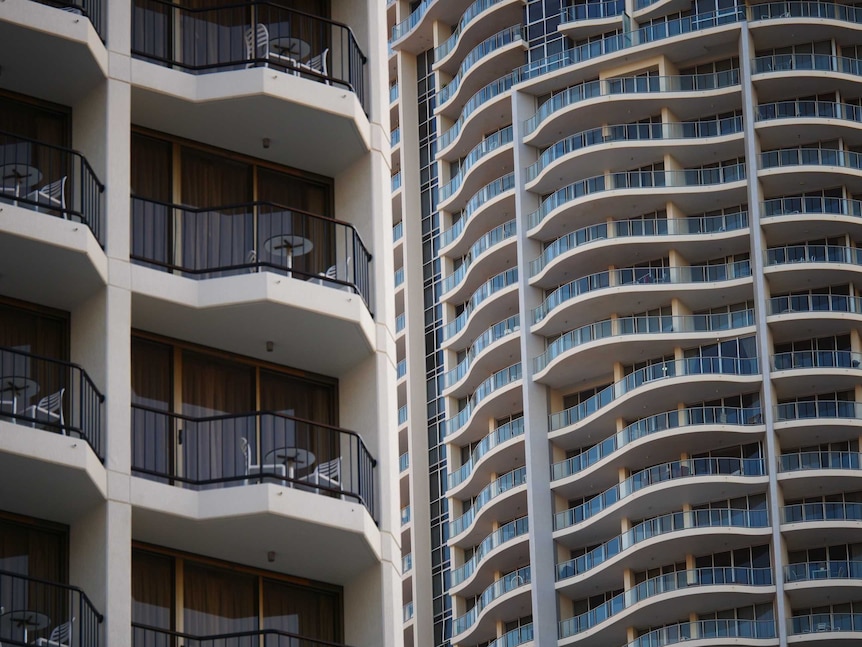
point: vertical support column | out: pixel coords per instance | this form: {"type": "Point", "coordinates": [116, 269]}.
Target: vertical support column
{"type": "Point", "coordinates": [536, 445]}
{"type": "Point", "coordinates": [761, 295]}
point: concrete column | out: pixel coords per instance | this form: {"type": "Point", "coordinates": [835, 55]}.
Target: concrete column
{"type": "Point", "coordinates": [536, 411]}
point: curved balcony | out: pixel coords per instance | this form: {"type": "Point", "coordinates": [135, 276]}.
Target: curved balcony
{"type": "Point", "coordinates": [680, 581]}
{"type": "Point", "coordinates": [501, 587]}
{"type": "Point", "coordinates": [472, 114]}
{"type": "Point", "coordinates": [810, 73]}
{"type": "Point", "coordinates": [807, 523]}
{"type": "Point", "coordinates": [595, 241]}
{"type": "Point", "coordinates": [553, 368]}
{"type": "Point", "coordinates": [236, 450]}
{"type": "Point", "coordinates": [652, 284]}
{"type": "Point", "coordinates": [485, 196]}
{"type": "Point", "coordinates": [494, 384]}
{"type": "Point", "coordinates": [737, 632]}
{"type": "Point", "coordinates": [830, 471]}
{"type": "Point", "coordinates": [822, 120]}
{"type": "Point", "coordinates": [497, 488]}
{"type": "Point", "coordinates": [578, 154]}
{"type": "Point", "coordinates": [654, 189]}
{"type": "Point", "coordinates": [831, 264]}
{"type": "Point", "coordinates": [590, 19]}
{"type": "Point", "coordinates": [836, 420]}
{"type": "Point", "coordinates": [808, 627]}
{"type": "Point", "coordinates": [501, 330]}
{"type": "Point", "coordinates": [493, 57]}
{"type": "Point", "coordinates": [484, 448]}
{"type": "Point", "coordinates": [833, 370]}
{"type": "Point", "coordinates": [819, 571]}
{"type": "Point", "coordinates": [488, 289]}
{"type": "Point", "coordinates": [475, 259]}
{"type": "Point", "coordinates": [483, 151]}
{"type": "Point", "coordinates": [807, 582]}
{"type": "Point", "coordinates": [661, 371]}
{"type": "Point", "coordinates": [519, 636]}
{"type": "Point", "coordinates": [586, 102]}
{"type": "Point", "coordinates": [492, 12]}
{"type": "Point", "coordinates": [645, 427]}
{"type": "Point", "coordinates": [505, 534]}
{"type": "Point", "coordinates": [790, 218]}
{"type": "Point", "coordinates": [672, 471]}
{"type": "Point", "coordinates": [818, 165]}
{"type": "Point", "coordinates": [676, 522]}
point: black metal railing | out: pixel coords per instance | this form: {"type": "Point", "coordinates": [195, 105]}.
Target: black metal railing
{"type": "Point", "coordinates": [50, 179]}
{"type": "Point", "coordinates": [256, 447]}
{"type": "Point", "coordinates": [221, 241]}
{"type": "Point", "coordinates": [91, 9]}
{"type": "Point", "coordinates": [51, 395]}
{"type": "Point", "coordinates": [33, 608]}
{"type": "Point", "coordinates": [147, 636]}
{"type": "Point", "coordinates": [248, 34]}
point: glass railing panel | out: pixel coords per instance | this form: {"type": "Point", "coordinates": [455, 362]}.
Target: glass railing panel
{"type": "Point", "coordinates": [488, 145]}
{"type": "Point", "coordinates": [500, 435]}
{"type": "Point", "coordinates": [485, 48]}
{"type": "Point", "coordinates": [592, 11]}
{"type": "Point", "coordinates": [807, 409]}
{"type": "Point", "coordinates": [498, 487]}
{"type": "Point", "coordinates": [803, 359]}
{"type": "Point", "coordinates": [822, 511]}
{"type": "Point", "coordinates": [824, 622]}
{"type": "Point", "coordinates": [505, 533]}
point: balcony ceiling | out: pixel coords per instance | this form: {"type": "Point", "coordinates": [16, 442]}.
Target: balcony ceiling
{"type": "Point", "coordinates": [310, 125]}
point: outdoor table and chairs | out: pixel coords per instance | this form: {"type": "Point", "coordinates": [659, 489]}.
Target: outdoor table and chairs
{"type": "Point", "coordinates": [23, 621]}
{"type": "Point", "coordinates": [292, 458]}
{"type": "Point", "coordinates": [288, 245]}
{"type": "Point", "coordinates": [18, 388]}
{"type": "Point", "coordinates": [17, 178]}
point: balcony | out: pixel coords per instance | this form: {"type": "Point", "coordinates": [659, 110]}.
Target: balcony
{"type": "Point", "coordinates": [475, 260]}
{"type": "Point", "coordinates": [490, 194]}
{"type": "Point", "coordinates": [476, 357]}
{"type": "Point", "coordinates": [46, 193]}
{"type": "Point", "coordinates": [519, 636]}
{"type": "Point", "coordinates": [485, 293]}
{"type": "Point", "coordinates": [484, 397]}
{"type": "Point", "coordinates": [689, 367]}
{"type": "Point", "coordinates": [837, 419]}
{"type": "Point", "coordinates": [258, 447]}
{"type": "Point", "coordinates": [825, 623]}
{"type": "Point", "coordinates": [505, 535]}
{"type": "Point", "coordinates": [730, 577]}
{"type": "Point", "coordinates": [39, 611]}
{"type": "Point", "coordinates": [475, 619]}
{"type": "Point", "coordinates": [722, 629]}
{"type": "Point", "coordinates": [488, 148]}
{"type": "Point", "coordinates": [146, 636]}
{"type": "Point", "coordinates": [233, 75]}
{"type": "Point", "coordinates": [71, 406]}
{"type": "Point", "coordinates": [496, 438]}
{"type": "Point", "coordinates": [485, 498]}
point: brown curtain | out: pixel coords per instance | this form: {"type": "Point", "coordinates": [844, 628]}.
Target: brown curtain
{"type": "Point", "coordinates": [214, 387]}
{"type": "Point", "coordinates": [153, 433]}
{"type": "Point", "coordinates": [219, 601]}
{"type": "Point", "coordinates": [220, 237]}
{"type": "Point", "coordinates": [302, 611]}
{"type": "Point", "coordinates": [152, 591]}
{"type": "Point", "coordinates": [151, 176]}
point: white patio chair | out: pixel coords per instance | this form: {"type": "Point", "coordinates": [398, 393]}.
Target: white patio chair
{"type": "Point", "coordinates": [259, 50]}
{"type": "Point", "coordinates": [255, 468]}
{"type": "Point", "coordinates": [48, 409]}
{"type": "Point", "coordinates": [61, 636]}
{"type": "Point", "coordinates": [51, 195]}
{"type": "Point", "coordinates": [327, 474]}
{"type": "Point", "coordinates": [316, 64]}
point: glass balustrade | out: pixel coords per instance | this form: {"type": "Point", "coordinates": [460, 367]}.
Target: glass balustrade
{"type": "Point", "coordinates": [487, 146]}
{"type": "Point", "coordinates": [501, 434]}
{"type": "Point", "coordinates": [486, 290]}
{"type": "Point", "coordinates": [505, 584]}
{"type": "Point", "coordinates": [495, 332]}
{"type": "Point", "coordinates": [808, 409]}
{"type": "Point", "coordinates": [505, 533]}
{"type": "Point", "coordinates": [485, 48]}
{"type": "Point", "coordinates": [494, 383]}
{"type": "Point", "coordinates": [485, 194]}
{"type": "Point", "coordinates": [802, 359]}
{"type": "Point", "coordinates": [498, 487]}
{"type": "Point", "coordinates": [662, 370]}
{"type": "Point", "coordinates": [704, 630]}
{"type": "Point", "coordinates": [825, 570]}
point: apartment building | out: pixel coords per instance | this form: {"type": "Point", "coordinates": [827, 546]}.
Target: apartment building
{"type": "Point", "coordinates": [629, 360]}
{"type": "Point", "coordinates": [197, 445]}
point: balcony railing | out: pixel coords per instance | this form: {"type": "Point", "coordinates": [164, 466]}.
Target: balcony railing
{"type": "Point", "coordinates": [822, 511]}
{"type": "Point", "coordinates": [653, 424]}
{"type": "Point", "coordinates": [804, 62]}
{"type": "Point", "coordinates": [498, 487]}
{"type": "Point", "coordinates": [802, 359]}
{"type": "Point", "coordinates": [482, 196]}
{"type": "Point", "coordinates": [91, 9]}
{"type": "Point", "coordinates": [808, 108]}
{"type": "Point", "coordinates": [500, 587]}
{"type": "Point", "coordinates": [834, 460]}
{"type": "Point", "coordinates": [497, 235]}
{"type": "Point", "coordinates": [212, 242]}
{"type": "Point", "coordinates": [485, 147]}
{"type": "Point", "coordinates": [248, 34]}
{"type": "Point", "coordinates": [642, 325]}
{"type": "Point", "coordinates": [146, 636]}
{"type": "Point", "coordinates": [818, 205]}
{"type": "Point", "coordinates": [824, 622]}
{"type": "Point", "coordinates": [830, 570]}
{"type": "Point", "coordinates": [812, 253]}
{"type": "Point", "coordinates": [486, 389]}
{"type": "Point", "coordinates": [500, 435]}
{"type": "Point", "coordinates": [50, 179]}
{"type": "Point", "coordinates": [806, 9]}
{"type": "Point", "coordinates": [59, 604]}
{"type": "Point", "coordinates": [492, 286]}
{"type": "Point", "coordinates": [668, 523]}
{"type": "Point", "coordinates": [677, 581]}
{"type": "Point", "coordinates": [478, 7]}
{"type": "Point", "coordinates": [497, 331]}
{"type": "Point", "coordinates": [69, 402]}
{"type": "Point", "coordinates": [592, 11]}
{"type": "Point", "coordinates": [660, 371]}
{"type": "Point", "coordinates": [519, 636]}
{"type": "Point", "coordinates": [638, 276]}
{"type": "Point", "coordinates": [704, 630]}
{"type": "Point", "coordinates": [256, 447]}
{"type": "Point", "coordinates": [505, 533]}
{"type": "Point", "coordinates": [808, 409]}
{"type": "Point", "coordinates": [675, 470]}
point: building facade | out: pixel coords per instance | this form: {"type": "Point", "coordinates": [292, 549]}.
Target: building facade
{"type": "Point", "coordinates": [629, 360]}
{"type": "Point", "coordinates": [196, 357]}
